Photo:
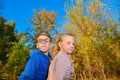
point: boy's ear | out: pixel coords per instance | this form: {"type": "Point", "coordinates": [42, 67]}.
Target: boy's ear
{"type": "Point", "coordinates": [50, 45]}
{"type": "Point", "coordinates": [36, 46]}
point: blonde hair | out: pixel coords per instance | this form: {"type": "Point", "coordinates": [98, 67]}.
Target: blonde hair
{"type": "Point", "coordinates": [59, 39]}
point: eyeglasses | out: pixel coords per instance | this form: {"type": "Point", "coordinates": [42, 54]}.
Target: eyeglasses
{"type": "Point", "coordinates": [44, 41]}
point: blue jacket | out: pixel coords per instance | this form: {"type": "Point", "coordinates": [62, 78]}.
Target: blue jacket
{"type": "Point", "coordinates": [36, 67]}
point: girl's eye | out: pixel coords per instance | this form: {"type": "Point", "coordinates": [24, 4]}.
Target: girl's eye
{"type": "Point", "coordinates": [68, 42]}
{"type": "Point", "coordinates": [73, 44]}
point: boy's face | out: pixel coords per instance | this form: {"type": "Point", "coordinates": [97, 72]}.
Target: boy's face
{"type": "Point", "coordinates": [43, 43]}
{"type": "Point", "coordinates": [67, 44]}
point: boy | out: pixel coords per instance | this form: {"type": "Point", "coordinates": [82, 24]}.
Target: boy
{"type": "Point", "coordinates": [38, 63]}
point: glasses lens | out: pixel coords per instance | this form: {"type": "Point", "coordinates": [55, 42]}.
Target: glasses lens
{"type": "Point", "coordinates": [44, 40]}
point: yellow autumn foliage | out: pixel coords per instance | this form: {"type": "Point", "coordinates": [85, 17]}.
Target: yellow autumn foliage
{"type": "Point", "coordinates": [95, 56]}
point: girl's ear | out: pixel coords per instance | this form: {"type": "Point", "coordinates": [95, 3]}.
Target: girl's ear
{"type": "Point", "coordinates": [59, 44]}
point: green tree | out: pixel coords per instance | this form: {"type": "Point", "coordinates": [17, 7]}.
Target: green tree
{"type": "Point", "coordinates": [18, 56]}
{"type": "Point", "coordinates": [13, 51]}
{"type": "Point", "coordinates": [7, 35]}
{"type": "Point", "coordinates": [96, 35]}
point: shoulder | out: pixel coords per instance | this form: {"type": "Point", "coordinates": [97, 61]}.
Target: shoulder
{"type": "Point", "coordinates": [62, 56]}
{"type": "Point", "coordinates": [34, 51]}
{"type": "Point", "coordinates": [35, 55]}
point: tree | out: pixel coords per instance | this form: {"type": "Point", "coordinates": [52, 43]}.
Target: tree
{"type": "Point", "coordinates": [96, 35]}
{"type": "Point", "coordinates": [7, 35]}
{"type": "Point", "coordinates": [44, 22]}
{"type": "Point", "coordinates": [18, 56]}
{"type": "Point", "coordinates": [19, 53]}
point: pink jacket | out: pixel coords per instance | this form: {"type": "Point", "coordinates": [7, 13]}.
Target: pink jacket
{"type": "Point", "coordinates": [61, 67]}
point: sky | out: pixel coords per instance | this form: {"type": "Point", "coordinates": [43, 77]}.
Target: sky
{"type": "Point", "coordinates": [19, 11]}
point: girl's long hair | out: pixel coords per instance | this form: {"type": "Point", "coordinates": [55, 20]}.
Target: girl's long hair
{"type": "Point", "coordinates": [56, 48]}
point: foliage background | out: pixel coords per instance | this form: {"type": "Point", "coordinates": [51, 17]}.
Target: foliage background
{"type": "Point", "coordinates": [97, 52]}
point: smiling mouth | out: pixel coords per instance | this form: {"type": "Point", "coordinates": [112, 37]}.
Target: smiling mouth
{"type": "Point", "coordinates": [43, 46]}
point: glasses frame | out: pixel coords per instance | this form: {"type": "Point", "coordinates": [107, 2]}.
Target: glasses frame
{"type": "Point", "coordinates": [40, 41]}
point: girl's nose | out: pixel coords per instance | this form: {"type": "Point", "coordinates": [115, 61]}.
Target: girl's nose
{"type": "Point", "coordinates": [72, 46]}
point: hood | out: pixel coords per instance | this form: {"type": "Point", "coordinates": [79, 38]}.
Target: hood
{"type": "Point", "coordinates": [33, 52]}
{"type": "Point", "coordinates": [36, 51]}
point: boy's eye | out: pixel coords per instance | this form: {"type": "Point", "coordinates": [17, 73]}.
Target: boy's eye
{"type": "Point", "coordinates": [43, 40]}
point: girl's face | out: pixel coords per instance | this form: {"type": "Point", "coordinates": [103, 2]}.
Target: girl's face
{"type": "Point", "coordinates": [67, 44]}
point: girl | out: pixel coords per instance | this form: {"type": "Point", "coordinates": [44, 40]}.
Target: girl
{"type": "Point", "coordinates": [61, 68]}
